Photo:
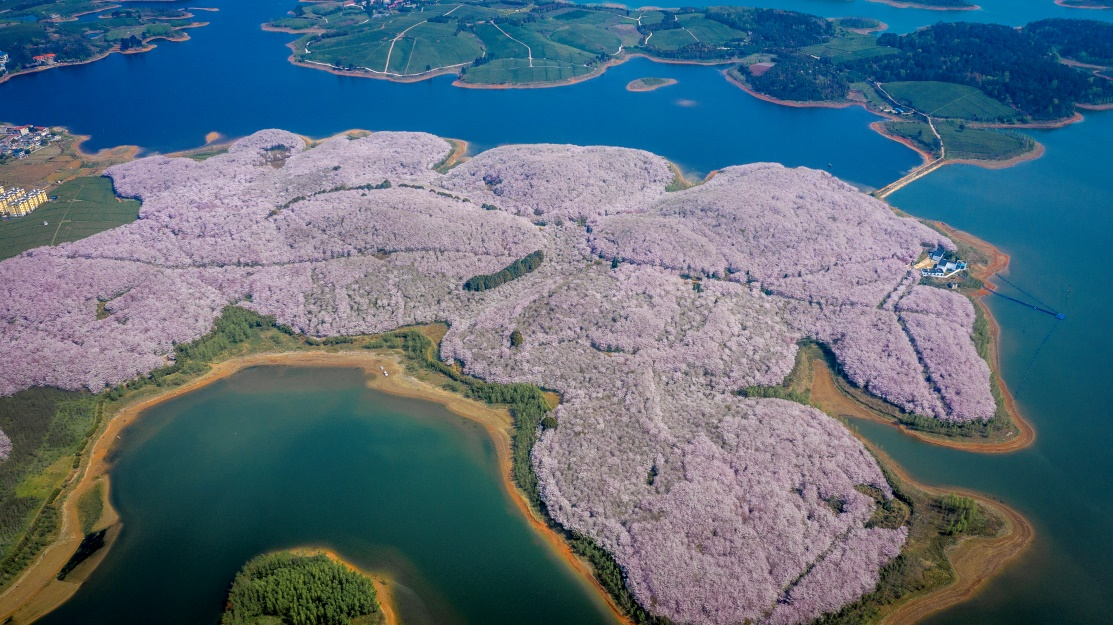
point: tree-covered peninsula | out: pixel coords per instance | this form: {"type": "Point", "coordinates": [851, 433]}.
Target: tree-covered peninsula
{"type": "Point", "coordinates": [37, 34]}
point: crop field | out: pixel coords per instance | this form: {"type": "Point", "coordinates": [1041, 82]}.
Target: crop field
{"type": "Point", "coordinates": [849, 47]}
{"type": "Point", "coordinates": [673, 39]}
{"type": "Point", "coordinates": [963, 142]}
{"type": "Point", "coordinates": [580, 16]}
{"type": "Point", "coordinates": [506, 71]}
{"type": "Point", "coordinates": [709, 31]}
{"type": "Point", "coordinates": [587, 38]}
{"type": "Point", "coordinates": [490, 44]}
{"type": "Point", "coordinates": [916, 131]}
{"type": "Point", "coordinates": [85, 206]}
{"type": "Point", "coordinates": [950, 100]}
{"type": "Point", "coordinates": [983, 143]}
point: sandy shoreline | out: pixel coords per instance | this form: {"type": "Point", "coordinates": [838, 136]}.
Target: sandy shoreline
{"type": "Point", "coordinates": [823, 104]}
{"type": "Point", "coordinates": [975, 560]}
{"type": "Point", "coordinates": [36, 592]}
{"type": "Point", "coordinates": [147, 47]}
{"type": "Point", "coordinates": [849, 407]}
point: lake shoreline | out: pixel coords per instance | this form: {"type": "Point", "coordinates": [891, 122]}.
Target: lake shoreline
{"type": "Point", "coordinates": [1026, 433]}
{"type": "Point", "coordinates": [928, 158]}
{"type": "Point", "coordinates": [976, 560]}
{"type": "Point", "coordinates": [36, 592]}
{"type": "Point", "coordinates": [147, 47]}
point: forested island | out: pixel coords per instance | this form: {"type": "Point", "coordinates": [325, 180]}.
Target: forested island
{"type": "Point", "coordinates": [287, 588]}
{"type": "Point", "coordinates": [37, 35]}
{"type": "Point", "coordinates": [679, 356]}
{"type": "Point", "coordinates": [967, 76]}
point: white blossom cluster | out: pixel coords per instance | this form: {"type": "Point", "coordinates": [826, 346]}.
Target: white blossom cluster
{"type": "Point", "coordinates": [5, 446]}
{"type": "Point", "coordinates": [650, 310]}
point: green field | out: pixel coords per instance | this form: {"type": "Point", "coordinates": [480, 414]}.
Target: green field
{"type": "Point", "coordinates": [673, 39]}
{"type": "Point", "coordinates": [506, 71]}
{"type": "Point", "coordinates": [85, 206]}
{"type": "Point", "coordinates": [916, 131]}
{"type": "Point", "coordinates": [589, 38]}
{"type": "Point", "coordinates": [950, 100]}
{"type": "Point", "coordinates": [985, 144]}
{"type": "Point", "coordinates": [709, 31]}
{"type": "Point", "coordinates": [848, 47]}
{"type": "Point", "coordinates": [46, 426]}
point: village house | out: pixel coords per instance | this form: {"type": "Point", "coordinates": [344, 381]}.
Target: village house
{"type": "Point", "coordinates": [940, 266]}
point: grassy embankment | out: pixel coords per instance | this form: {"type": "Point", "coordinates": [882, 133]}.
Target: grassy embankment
{"type": "Point", "coordinates": [940, 565]}
{"type": "Point", "coordinates": [935, 522]}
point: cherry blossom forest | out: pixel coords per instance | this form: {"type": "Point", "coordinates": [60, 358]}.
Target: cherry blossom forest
{"type": "Point", "coordinates": [649, 311]}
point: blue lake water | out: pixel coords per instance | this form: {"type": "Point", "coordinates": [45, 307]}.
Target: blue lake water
{"type": "Point", "coordinates": [1053, 216]}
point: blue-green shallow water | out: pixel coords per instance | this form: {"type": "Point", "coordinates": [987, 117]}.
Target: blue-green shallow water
{"type": "Point", "coordinates": [279, 457]}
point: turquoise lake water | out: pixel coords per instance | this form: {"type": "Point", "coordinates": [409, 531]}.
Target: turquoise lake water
{"type": "Point", "coordinates": [297, 456]}
{"type": "Point", "coordinates": [1054, 216]}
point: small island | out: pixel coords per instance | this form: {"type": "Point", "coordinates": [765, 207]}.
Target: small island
{"type": "Point", "coordinates": [1084, 4]}
{"type": "Point", "coordinates": [38, 36]}
{"type": "Point", "coordinates": [931, 5]}
{"type": "Point", "coordinates": [304, 587]}
{"type": "Point", "coordinates": [649, 84]}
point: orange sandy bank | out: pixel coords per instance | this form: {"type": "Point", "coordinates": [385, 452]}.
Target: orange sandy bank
{"type": "Point", "coordinates": [793, 103]}
{"type": "Point", "coordinates": [826, 392]}
{"type": "Point", "coordinates": [1083, 6]}
{"type": "Point", "coordinates": [36, 592]}
{"type": "Point", "coordinates": [975, 560]}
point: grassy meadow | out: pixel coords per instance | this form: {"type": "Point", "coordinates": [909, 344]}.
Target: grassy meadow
{"type": "Point", "coordinates": [950, 100]}
{"type": "Point", "coordinates": [85, 206]}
